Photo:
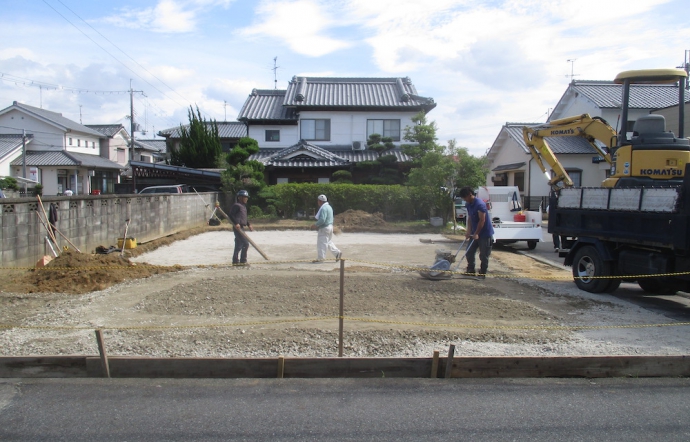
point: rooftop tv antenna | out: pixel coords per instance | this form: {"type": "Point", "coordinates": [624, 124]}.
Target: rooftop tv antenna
{"type": "Point", "coordinates": [686, 66]}
{"type": "Point", "coordinates": [275, 71]}
{"type": "Point", "coordinates": [572, 67]}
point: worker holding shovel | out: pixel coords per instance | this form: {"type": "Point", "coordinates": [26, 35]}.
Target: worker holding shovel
{"type": "Point", "coordinates": [238, 218]}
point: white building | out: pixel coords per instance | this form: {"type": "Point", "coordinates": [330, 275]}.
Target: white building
{"type": "Point", "coordinates": [61, 155]}
{"type": "Point", "coordinates": [321, 124]}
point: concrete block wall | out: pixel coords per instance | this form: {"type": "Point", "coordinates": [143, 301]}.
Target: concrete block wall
{"type": "Point", "coordinates": [99, 220]}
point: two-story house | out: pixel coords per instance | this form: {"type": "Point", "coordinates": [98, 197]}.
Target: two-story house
{"type": "Point", "coordinates": [61, 155]}
{"type": "Point", "coordinates": [319, 125]}
{"type": "Point", "coordinates": [510, 162]}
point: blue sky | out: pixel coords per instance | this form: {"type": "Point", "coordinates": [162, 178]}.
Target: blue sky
{"type": "Point", "coordinates": [484, 62]}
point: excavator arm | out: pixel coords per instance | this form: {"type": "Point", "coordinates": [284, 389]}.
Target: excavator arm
{"type": "Point", "coordinates": [591, 129]}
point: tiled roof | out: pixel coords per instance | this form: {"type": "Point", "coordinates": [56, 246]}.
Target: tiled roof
{"type": "Point", "coordinates": [53, 117]}
{"type": "Point", "coordinates": [226, 129]}
{"type": "Point", "coordinates": [11, 142]}
{"type": "Point", "coordinates": [267, 104]}
{"type": "Point", "coordinates": [324, 92]}
{"type": "Point", "coordinates": [151, 145]}
{"type": "Point", "coordinates": [304, 154]}
{"type": "Point", "coordinates": [109, 130]}
{"type": "Point", "coordinates": [606, 94]}
{"type": "Point", "coordinates": [559, 145]}
{"type": "Point", "coordinates": [63, 158]}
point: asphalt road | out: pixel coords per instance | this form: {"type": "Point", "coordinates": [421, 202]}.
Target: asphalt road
{"type": "Point", "coordinates": [345, 409]}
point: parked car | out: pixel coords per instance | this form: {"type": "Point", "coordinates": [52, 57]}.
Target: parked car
{"type": "Point", "coordinates": [460, 210]}
{"type": "Point", "coordinates": [173, 188]}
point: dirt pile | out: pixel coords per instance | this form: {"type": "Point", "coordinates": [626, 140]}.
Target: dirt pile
{"type": "Point", "coordinates": [74, 272]}
{"type": "Point", "coordinates": [358, 219]}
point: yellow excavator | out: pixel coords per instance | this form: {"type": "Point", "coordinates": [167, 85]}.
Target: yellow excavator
{"type": "Point", "coordinates": [651, 157]}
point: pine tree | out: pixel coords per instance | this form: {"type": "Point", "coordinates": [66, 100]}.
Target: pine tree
{"type": "Point", "coordinates": [199, 143]}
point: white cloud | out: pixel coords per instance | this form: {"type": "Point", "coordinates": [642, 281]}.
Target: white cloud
{"type": "Point", "coordinates": [170, 16]}
{"type": "Point", "coordinates": [301, 24]}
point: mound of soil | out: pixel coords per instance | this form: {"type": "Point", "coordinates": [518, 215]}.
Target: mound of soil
{"type": "Point", "coordinates": [358, 218]}
{"type": "Point", "coordinates": [74, 272]}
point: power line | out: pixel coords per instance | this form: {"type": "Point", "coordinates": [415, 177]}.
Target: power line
{"type": "Point", "coordinates": [36, 83]}
{"type": "Point", "coordinates": [111, 55]}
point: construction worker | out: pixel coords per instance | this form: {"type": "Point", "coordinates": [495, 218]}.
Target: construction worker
{"type": "Point", "coordinates": [324, 225]}
{"type": "Point", "coordinates": [479, 230]}
{"type": "Point", "coordinates": [238, 218]}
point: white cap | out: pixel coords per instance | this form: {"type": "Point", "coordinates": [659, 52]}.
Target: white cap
{"type": "Point", "coordinates": [322, 198]}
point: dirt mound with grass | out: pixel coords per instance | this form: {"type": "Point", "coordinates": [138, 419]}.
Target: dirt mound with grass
{"type": "Point", "coordinates": [358, 218]}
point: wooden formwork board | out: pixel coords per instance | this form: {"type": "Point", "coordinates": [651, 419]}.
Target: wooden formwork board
{"type": "Point", "coordinates": [462, 367]}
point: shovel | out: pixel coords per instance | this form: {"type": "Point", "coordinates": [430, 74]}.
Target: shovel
{"type": "Point", "coordinates": [124, 240]}
{"type": "Point", "coordinates": [442, 267]}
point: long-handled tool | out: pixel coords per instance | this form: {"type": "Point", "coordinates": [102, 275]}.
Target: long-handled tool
{"type": "Point", "coordinates": [442, 267]}
{"type": "Point", "coordinates": [252, 243]}
{"type": "Point", "coordinates": [124, 239]}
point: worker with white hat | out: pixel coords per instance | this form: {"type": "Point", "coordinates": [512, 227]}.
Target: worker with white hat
{"type": "Point", "coordinates": [324, 225]}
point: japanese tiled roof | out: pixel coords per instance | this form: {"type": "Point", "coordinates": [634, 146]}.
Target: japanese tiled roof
{"type": "Point", "coordinates": [352, 93]}
{"type": "Point", "coordinates": [226, 129]}
{"type": "Point", "coordinates": [559, 145]}
{"type": "Point", "coordinates": [11, 142]}
{"type": "Point", "coordinates": [64, 158]}
{"type": "Point", "coordinates": [304, 154]}
{"type": "Point", "coordinates": [151, 145]}
{"type": "Point", "coordinates": [606, 94]}
{"type": "Point", "coordinates": [267, 104]}
{"type": "Point", "coordinates": [109, 130]}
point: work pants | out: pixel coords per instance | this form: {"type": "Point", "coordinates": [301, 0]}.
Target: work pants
{"type": "Point", "coordinates": [241, 248]}
{"type": "Point", "coordinates": [484, 245]}
{"type": "Point", "coordinates": [324, 241]}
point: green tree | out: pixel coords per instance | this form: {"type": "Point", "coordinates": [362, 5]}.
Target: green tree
{"type": "Point", "coordinates": [9, 183]}
{"type": "Point", "coordinates": [423, 134]}
{"type": "Point", "coordinates": [243, 173]}
{"type": "Point", "coordinates": [199, 143]}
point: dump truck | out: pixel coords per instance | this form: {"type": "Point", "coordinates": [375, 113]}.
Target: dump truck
{"type": "Point", "coordinates": [636, 227]}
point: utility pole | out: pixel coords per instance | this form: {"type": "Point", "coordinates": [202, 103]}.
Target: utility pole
{"type": "Point", "coordinates": [686, 66]}
{"type": "Point", "coordinates": [24, 159]}
{"type": "Point", "coordinates": [131, 119]}
{"type": "Point", "coordinates": [80, 115]}
{"type": "Point", "coordinates": [225, 109]}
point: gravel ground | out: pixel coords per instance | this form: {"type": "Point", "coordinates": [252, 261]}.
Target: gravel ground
{"type": "Point", "coordinates": [289, 306]}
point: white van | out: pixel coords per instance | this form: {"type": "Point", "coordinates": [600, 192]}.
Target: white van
{"type": "Point", "coordinates": [173, 188]}
{"type": "Point", "coordinates": [511, 223]}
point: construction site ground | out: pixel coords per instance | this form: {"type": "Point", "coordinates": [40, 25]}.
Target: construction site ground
{"type": "Point", "coordinates": [179, 296]}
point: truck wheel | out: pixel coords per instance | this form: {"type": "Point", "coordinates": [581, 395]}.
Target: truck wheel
{"type": "Point", "coordinates": [531, 245]}
{"type": "Point", "coordinates": [589, 271]}
{"type": "Point", "coordinates": [657, 286]}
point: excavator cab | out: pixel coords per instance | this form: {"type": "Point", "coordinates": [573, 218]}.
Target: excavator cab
{"type": "Point", "coordinates": [652, 156]}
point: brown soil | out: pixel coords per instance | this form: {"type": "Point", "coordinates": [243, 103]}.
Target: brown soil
{"type": "Point", "coordinates": [356, 218]}
{"type": "Point", "coordinates": [290, 308]}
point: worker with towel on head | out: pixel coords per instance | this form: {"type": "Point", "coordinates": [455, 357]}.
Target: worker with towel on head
{"type": "Point", "coordinates": [324, 225]}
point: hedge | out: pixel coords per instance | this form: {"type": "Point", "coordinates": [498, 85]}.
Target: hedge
{"type": "Point", "coordinates": [395, 202]}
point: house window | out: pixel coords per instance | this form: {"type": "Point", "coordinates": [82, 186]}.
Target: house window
{"type": "Point", "coordinates": [317, 130]}
{"type": "Point", "coordinates": [70, 141]}
{"type": "Point", "coordinates": [385, 128]}
{"type": "Point", "coordinates": [519, 180]}
{"type": "Point", "coordinates": [78, 142]}
{"type": "Point", "coordinates": [576, 176]}
{"type": "Point", "coordinates": [272, 135]}
{"type": "Point", "coordinates": [281, 180]}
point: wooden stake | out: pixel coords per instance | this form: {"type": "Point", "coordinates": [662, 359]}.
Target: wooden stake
{"type": "Point", "coordinates": [449, 362]}
{"type": "Point", "coordinates": [101, 350]}
{"type": "Point", "coordinates": [434, 365]}
{"type": "Point", "coordinates": [50, 232]}
{"type": "Point", "coordinates": [281, 366]}
{"type": "Point", "coordinates": [342, 308]}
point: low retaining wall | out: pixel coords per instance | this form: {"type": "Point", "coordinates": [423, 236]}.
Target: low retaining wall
{"type": "Point", "coordinates": [90, 221]}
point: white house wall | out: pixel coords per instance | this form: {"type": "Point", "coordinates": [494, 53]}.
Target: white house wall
{"type": "Point", "coordinates": [348, 127]}
{"type": "Point", "coordinates": [509, 153]}
{"type": "Point", "coordinates": [46, 136]}
{"type": "Point", "coordinates": [289, 135]}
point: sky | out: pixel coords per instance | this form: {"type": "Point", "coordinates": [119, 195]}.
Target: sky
{"type": "Point", "coordinates": [484, 63]}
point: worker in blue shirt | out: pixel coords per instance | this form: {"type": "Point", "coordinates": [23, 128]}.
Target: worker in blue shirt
{"type": "Point", "coordinates": [479, 230]}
